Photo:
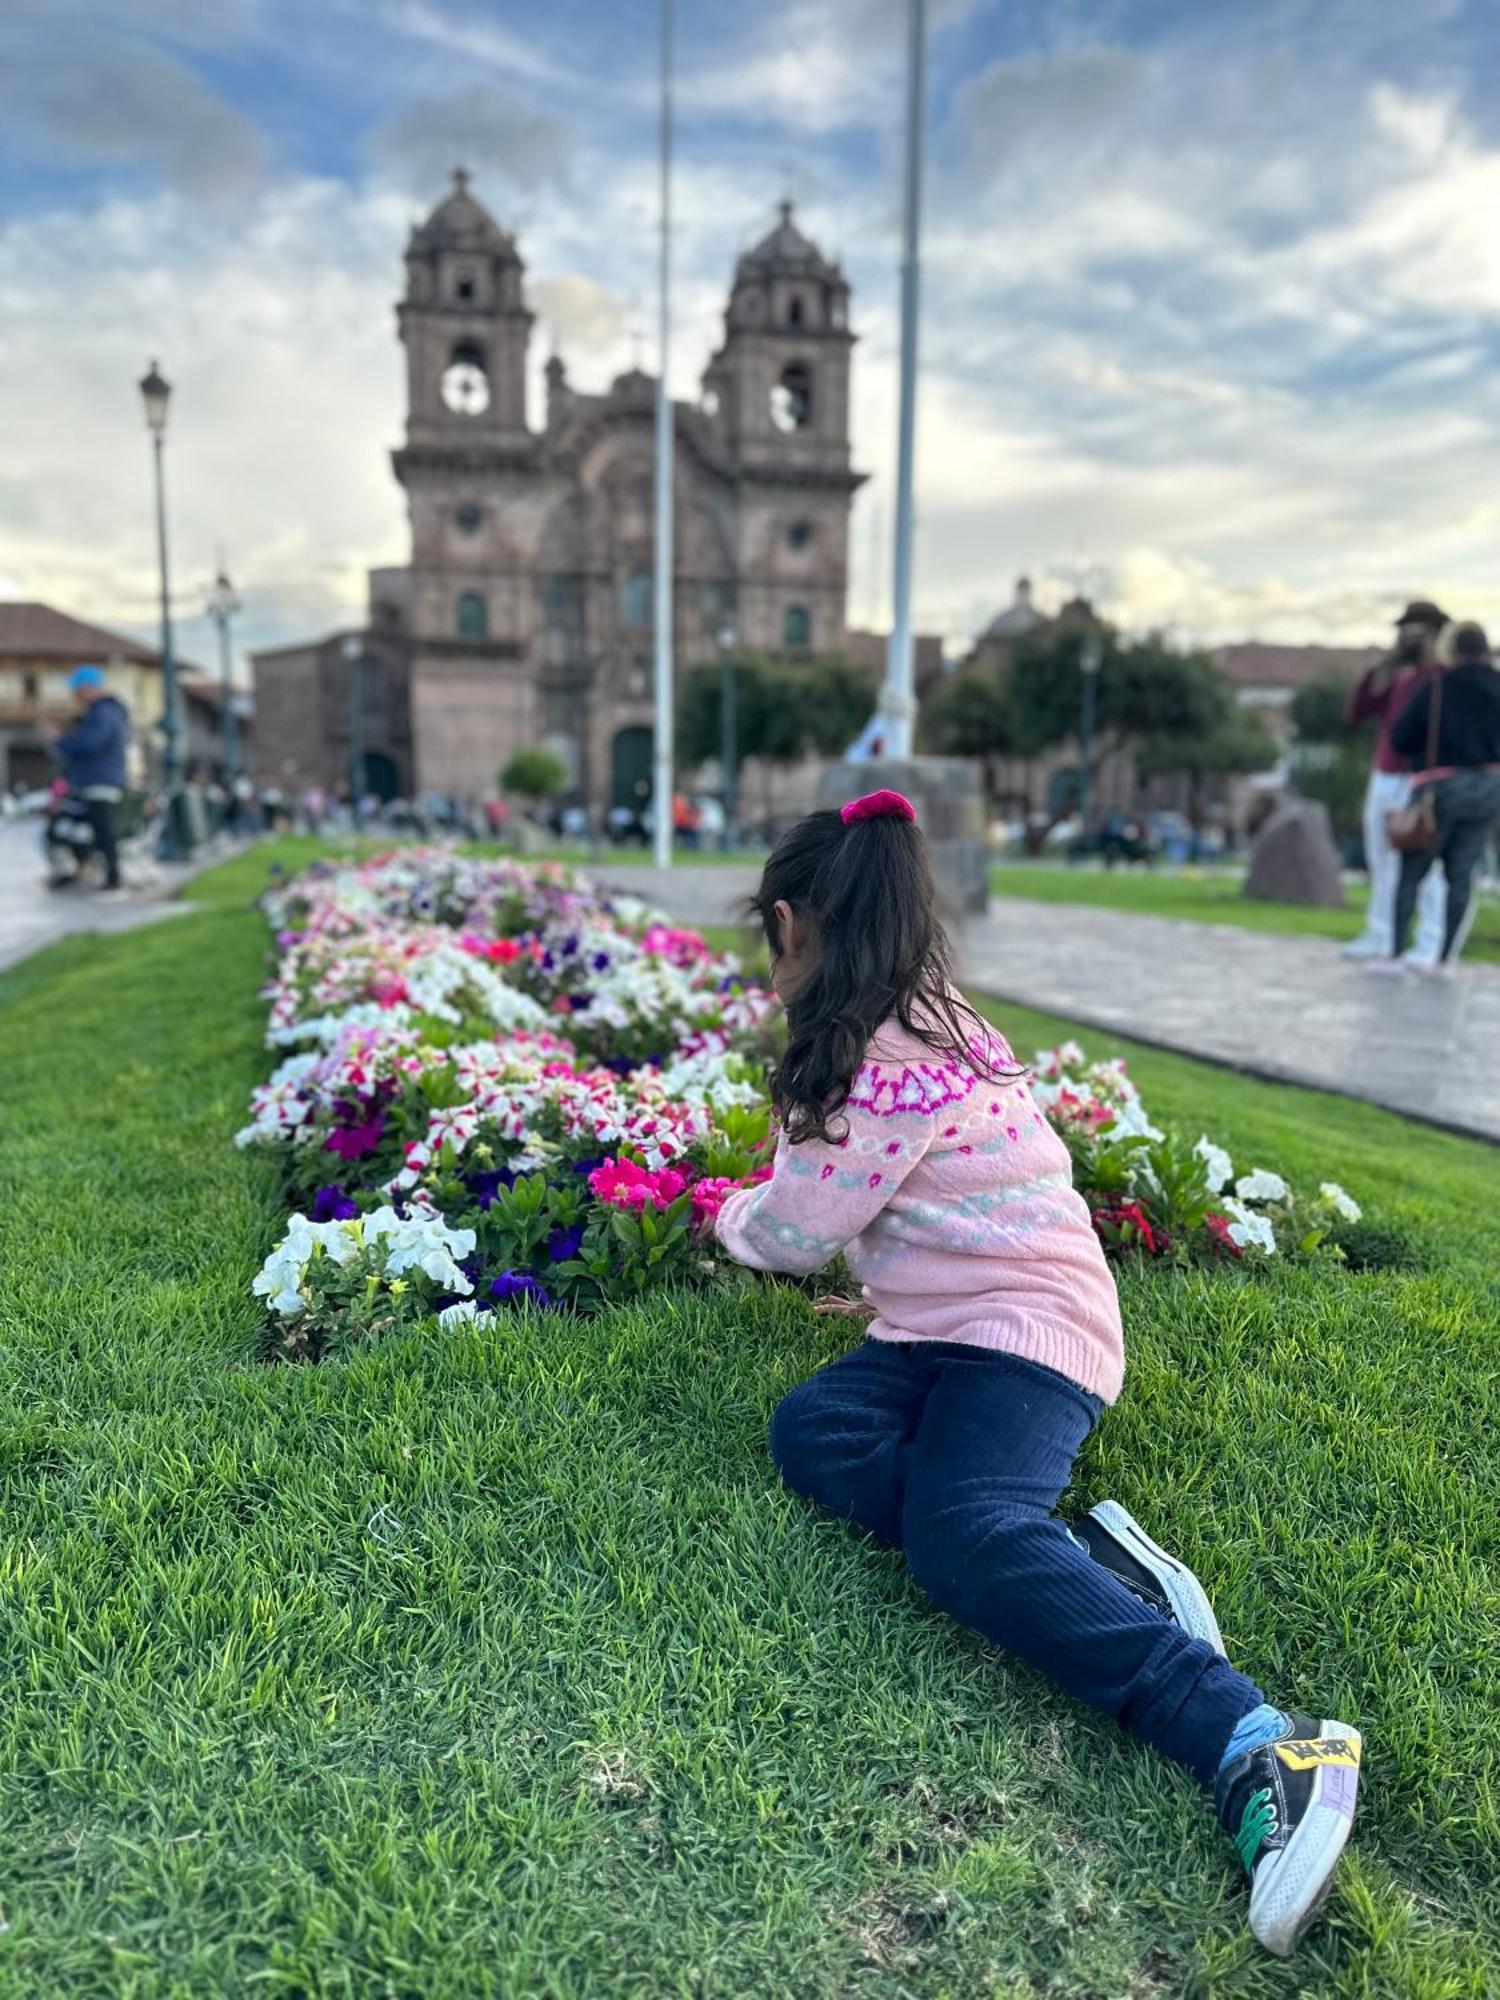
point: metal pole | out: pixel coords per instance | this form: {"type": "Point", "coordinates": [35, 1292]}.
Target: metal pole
{"type": "Point", "coordinates": [896, 701]}
{"type": "Point", "coordinates": [728, 752]}
{"type": "Point", "coordinates": [355, 656]}
{"type": "Point", "coordinates": [662, 759]}
{"type": "Point", "coordinates": [174, 843]}
{"type": "Point", "coordinates": [1091, 660]}
{"type": "Point", "coordinates": [222, 610]}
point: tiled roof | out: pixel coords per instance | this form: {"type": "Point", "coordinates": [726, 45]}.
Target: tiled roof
{"type": "Point", "coordinates": [37, 632]}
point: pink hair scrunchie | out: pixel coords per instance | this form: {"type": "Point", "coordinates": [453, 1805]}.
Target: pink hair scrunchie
{"type": "Point", "coordinates": [877, 805]}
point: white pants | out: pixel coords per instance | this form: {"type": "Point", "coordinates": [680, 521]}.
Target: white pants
{"type": "Point", "coordinates": [1387, 792]}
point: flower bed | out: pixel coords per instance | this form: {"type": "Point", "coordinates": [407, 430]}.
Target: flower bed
{"type": "Point", "coordinates": [503, 1083]}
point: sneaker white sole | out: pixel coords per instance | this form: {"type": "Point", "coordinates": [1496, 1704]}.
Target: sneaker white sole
{"type": "Point", "coordinates": [1291, 1888]}
{"type": "Point", "coordinates": [1185, 1594]}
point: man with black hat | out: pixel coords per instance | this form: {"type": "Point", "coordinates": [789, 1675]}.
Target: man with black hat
{"type": "Point", "coordinates": [1382, 694]}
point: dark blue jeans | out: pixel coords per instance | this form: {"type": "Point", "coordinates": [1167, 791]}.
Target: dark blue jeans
{"type": "Point", "coordinates": [957, 1456]}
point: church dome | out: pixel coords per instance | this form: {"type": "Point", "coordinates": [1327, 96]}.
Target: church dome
{"type": "Point", "coordinates": [1020, 615]}
{"type": "Point", "coordinates": [459, 222]}
{"type": "Point", "coordinates": [786, 251]}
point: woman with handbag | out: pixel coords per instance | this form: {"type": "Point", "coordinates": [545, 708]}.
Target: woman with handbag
{"type": "Point", "coordinates": [1453, 724]}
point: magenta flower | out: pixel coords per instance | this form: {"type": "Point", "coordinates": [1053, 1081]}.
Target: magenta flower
{"type": "Point", "coordinates": [352, 1142]}
{"type": "Point", "coordinates": [622, 1184]}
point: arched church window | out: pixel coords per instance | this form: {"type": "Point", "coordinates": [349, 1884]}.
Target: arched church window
{"type": "Point", "coordinates": [466, 382]}
{"type": "Point", "coordinates": [464, 288]}
{"type": "Point", "coordinates": [635, 599]}
{"type": "Point", "coordinates": [799, 533]}
{"type": "Point", "coordinates": [794, 310]}
{"type": "Point", "coordinates": [792, 398]}
{"type": "Point", "coordinates": [467, 516]}
{"type": "Point", "coordinates": [796, 628]}
{"type": "Point", "coordinates": [473, 618]}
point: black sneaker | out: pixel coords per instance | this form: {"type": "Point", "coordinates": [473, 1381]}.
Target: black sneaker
{"type": "Point", "coordinates": [1118, 1543]}
{"type": "Point", "coordinates": [1288, 1806]}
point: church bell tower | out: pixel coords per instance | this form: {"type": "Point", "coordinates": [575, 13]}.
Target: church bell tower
{"type": "Point", "coordinates": [465, 327]}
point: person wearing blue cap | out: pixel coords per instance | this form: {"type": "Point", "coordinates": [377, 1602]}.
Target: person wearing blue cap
{"type": "Point", "coordinates": [92, 754]}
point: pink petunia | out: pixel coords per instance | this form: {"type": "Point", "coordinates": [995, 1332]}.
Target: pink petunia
{"type": "Point", "coordinates": [622, 1184]}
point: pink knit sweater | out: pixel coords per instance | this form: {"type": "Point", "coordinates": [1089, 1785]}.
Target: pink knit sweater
{"type": "Point", "coordinates": [953, 1202]}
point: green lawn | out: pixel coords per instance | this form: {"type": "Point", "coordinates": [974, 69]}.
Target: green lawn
{"type": "Point", "coordinates": [500, 1665]}
{"type": "Point", "coordinates": [1207, 899]}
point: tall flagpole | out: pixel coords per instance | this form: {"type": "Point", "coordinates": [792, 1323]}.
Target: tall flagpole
{"type": "Point", "coordinates": [897, 704]}
{"type": "Point", "coordinates": [662, 734]}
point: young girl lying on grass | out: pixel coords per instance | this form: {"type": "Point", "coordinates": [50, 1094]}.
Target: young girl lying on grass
{"type": "Point", "coordinates": [909, 1141]}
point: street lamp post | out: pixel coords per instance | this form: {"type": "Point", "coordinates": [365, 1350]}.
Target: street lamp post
{"type": "Point", "coordinates": [1091, 659]}
{"type": "Point", "coordinates": [728, 747]}
{"type": "Point", "coordinates": [176, 838]}
{"type": "Point", "coordinates": [354, 661]}
{"type": "Point", "coordinates": [222, 606]}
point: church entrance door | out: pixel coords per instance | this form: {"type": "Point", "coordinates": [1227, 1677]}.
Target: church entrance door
{"type": "Point", "coordinates": [630, 769]}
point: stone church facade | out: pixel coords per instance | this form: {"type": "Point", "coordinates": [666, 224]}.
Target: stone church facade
{"type": "Point", "coordinates": [525, 615]}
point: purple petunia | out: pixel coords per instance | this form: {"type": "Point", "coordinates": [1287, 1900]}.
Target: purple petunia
{"type": "Point", "coordinates": [600, 961]}
{"type": "Point", "coordinates": [563, 1243]}
{"type": "Point", "coordinates": [331, 1204]}
{"type": "Point", "coordinates": [513, 1285]}
{"type": "Point", "coordinates": [488, 1183]}
{"type": "Point", "coordinates": [352, 1142]}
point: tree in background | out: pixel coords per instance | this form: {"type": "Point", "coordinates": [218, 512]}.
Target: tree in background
{"type": "Point", "coordinates": [1331, 757]}
{"type": "Point", "coordinates": [534, 775]}
{"type": "Point", "coordinates": [1238, 746]}
{"type": "Point", "coordinates": [968, 714]}
{"type": "Point", "coordinates": [1148, 692]}
{"type": "Point", "coordinates": [784, 710]}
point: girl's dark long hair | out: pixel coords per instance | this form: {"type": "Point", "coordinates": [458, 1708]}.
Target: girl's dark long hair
{"type": "Point", "coordinates": [865, 891]}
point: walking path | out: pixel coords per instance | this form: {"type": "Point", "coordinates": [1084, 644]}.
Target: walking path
{"type": "Point", "coordinates": [1288, 1008]}
{"type": "Point", "coordinates": [31, 915]}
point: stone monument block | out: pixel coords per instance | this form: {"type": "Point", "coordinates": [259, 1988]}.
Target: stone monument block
{"type": "Point", "coordinates": [948, 793]}
{"type": "Point", "coordinates": [1294, 858]}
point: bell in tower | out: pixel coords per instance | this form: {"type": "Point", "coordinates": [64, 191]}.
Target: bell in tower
{"type": "Point", "coordinates": [465, 326]}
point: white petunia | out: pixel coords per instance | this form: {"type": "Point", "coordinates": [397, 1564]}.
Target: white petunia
{"type": "Point", "coordinates": [459, 1315]}
{"type": "Point", "coordinates": [1334, 1197]}
{"type": "Point", "coordinates": [1249, 1230]}
{"type": "Point", "coordinates": [1218, 1163]}
{"type": "Point", "coordinates": [1262, 1185]}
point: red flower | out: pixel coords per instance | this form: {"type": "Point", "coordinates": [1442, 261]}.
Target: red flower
{"type": "Point", "coordinates": [1218, 1228]}
{"type": "Point", "coordinates": [1125, 1225]}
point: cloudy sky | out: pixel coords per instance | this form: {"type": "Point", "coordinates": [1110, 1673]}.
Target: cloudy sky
{"type": "Point", "coordinates": [1212, 287]}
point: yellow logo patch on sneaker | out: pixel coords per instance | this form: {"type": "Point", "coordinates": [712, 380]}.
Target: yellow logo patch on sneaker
{"type": "Point", "coordinates": [1305, 1753]}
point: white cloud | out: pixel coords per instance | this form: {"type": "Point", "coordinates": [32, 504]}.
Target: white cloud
{"type": "Point", "coordinates": [579, 312]}
{"type": "Point", "coordinates": [489, 129]}
{"type": "Point", "coordinates": [74, 90]}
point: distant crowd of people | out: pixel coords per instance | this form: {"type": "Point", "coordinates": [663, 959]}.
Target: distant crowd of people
{"type": "Point", "coordinates": [1433, 798]}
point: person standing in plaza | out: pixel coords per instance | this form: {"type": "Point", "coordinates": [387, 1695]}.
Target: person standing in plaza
{"type": "Point", "coordinates": [92, 754]}
{"type": "Point", "coordinates": [1452, 727]}
{"type": "Point", "coordinates": [1381, 696]}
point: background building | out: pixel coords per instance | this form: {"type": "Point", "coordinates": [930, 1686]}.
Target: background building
{"type": "Point", "coordinates": [40, 647]}
{"type": "Point", "coordinates": [526, 613]}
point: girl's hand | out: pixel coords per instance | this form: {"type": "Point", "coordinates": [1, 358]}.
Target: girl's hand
{"type": "Point", "coordinates": [843, 1308]}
